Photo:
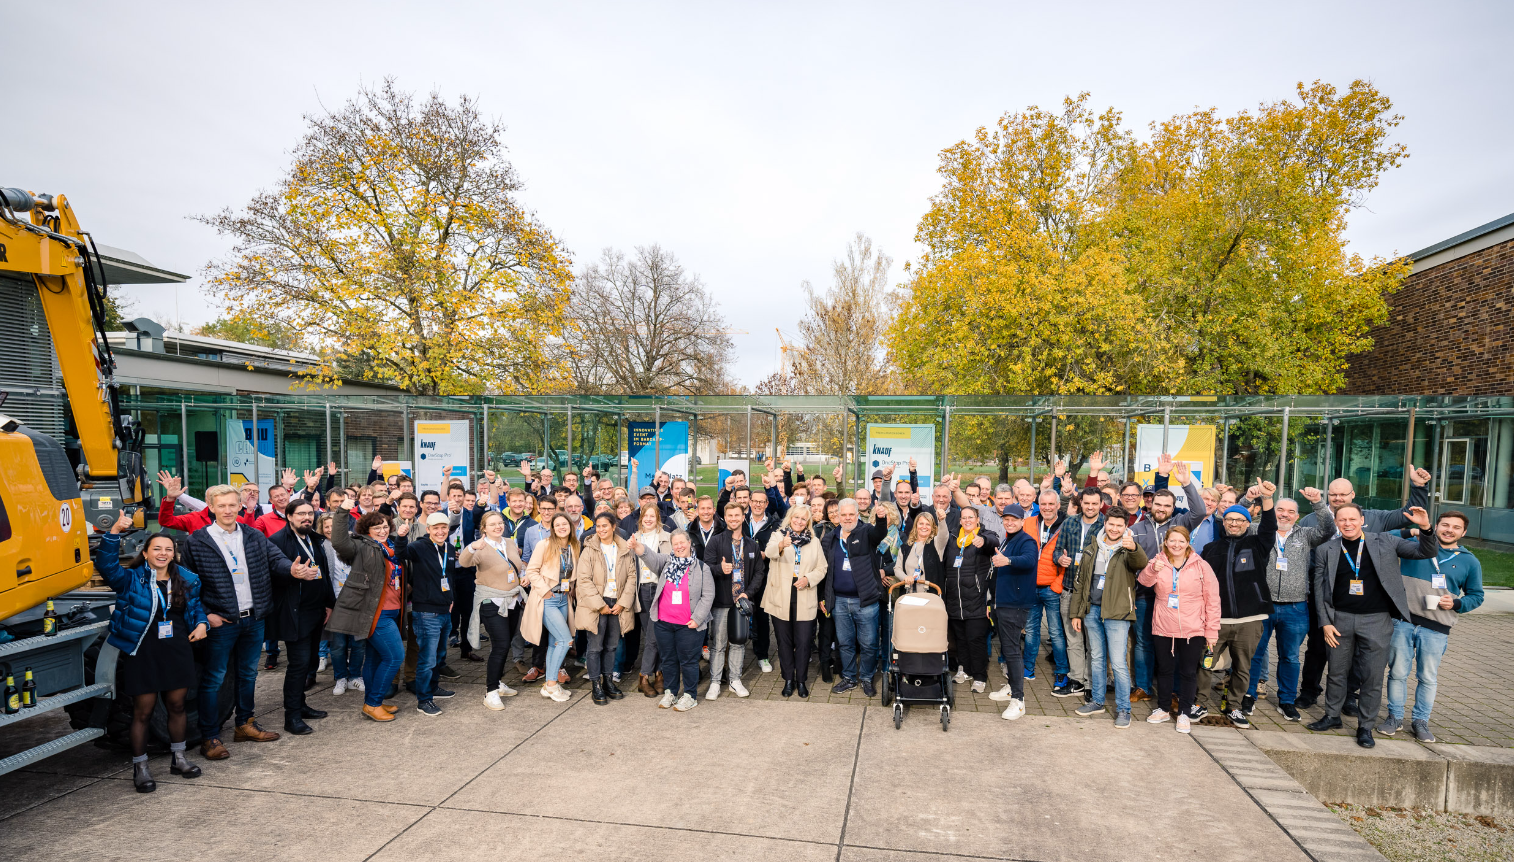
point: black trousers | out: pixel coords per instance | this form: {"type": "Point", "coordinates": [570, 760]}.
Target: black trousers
{"type": "Point", "coordinates": [462, 608]}
{"type": "Point", "coordinates": [301, 655]}
{"type": "Point", "coordinates": [1181, 657]}
{"type": "Point", "coordinates": [967, 642]}
{"type": "Point", "coordinates": [794, 639]}
{"type": "Point", "coordinates": [1009, 628]}
{"type": "Point", "coordinates": [761, 640]}
{"type": "Point", "coordinates": [500, 626]}
{"type": "Point", "coordinates": [825, 631]}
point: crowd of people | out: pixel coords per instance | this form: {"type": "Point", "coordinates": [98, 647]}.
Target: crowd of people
{"type": "Point", "coordinates": [1144, 593]}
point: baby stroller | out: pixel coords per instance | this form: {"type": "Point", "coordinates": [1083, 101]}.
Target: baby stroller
{"type": "Point", "coordinates": [917, 670]}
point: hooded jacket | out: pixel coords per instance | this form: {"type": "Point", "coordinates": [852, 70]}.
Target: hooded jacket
{"type": "Point", "coordinates": [1198, 592]}
{"type": "Point", "coordinates": [1240, 565]}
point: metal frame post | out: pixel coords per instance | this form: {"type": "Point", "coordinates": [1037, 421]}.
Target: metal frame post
{"type": "Point", "coordinates": [342, 446]}
{"type": "Point", "coordinates": [694, 453]}
{"type": "Point", "coordinates": [1408, 455]}
{"type": "Point", "coordinates": [257, 456]}
{"type": "Point", "coordinates": [946, 430]}
{"type": "Point", "coordinates": [1166, 421]}
{"type": "Point", "coordinates": [407, 446]}
{"type": "Point", "coordinates": [1125, 452]}
{"type": "Point", "coordinates": [1053, 448]}
{"type": "Point", "coordinates": [623, 471]}
{"type": "Point", "coordinates": [656, 443]}
{"type": "Point", "coordinates": [184, 442]}
{"type": "Point", "coordinates": [1033, 420]}
{"type": "Point", "coordinates": [488, 462]}
{"type": "Point", "coordinates": [748, 446]}
{"type": "Point", "coordinates": [546, 437]}
{"type": "Point", "coordinates": [1282, 457]}
{"type": "Point", "coordinates": [859, 471]}
{"type": "Point", "coordinates": [1329, 451]}
{"type": "Point", "coordinates": [1225, 455]}
{"type": "Point", "coordinates": [841, 438]}
{"type": "Point", "coordinates": [776, 459]}
{"type": "Point", "coordinates": [328, 432]}
{"type": "Point", "coordinates": [568, 467]}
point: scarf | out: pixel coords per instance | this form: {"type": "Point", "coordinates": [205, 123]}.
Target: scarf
{"type": "Point", "coordinates": [799, 538]}
{"type": "Point", "coordinates": [964, 538]}
{"type": "Point", "coordinates": [677, 569]}
{"type": "Point", "coordinates": [1105, 553]}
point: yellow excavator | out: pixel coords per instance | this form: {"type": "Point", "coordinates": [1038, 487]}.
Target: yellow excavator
{"type": "Point", "coordinates": [56, 495]}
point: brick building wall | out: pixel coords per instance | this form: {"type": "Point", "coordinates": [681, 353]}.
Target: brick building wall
{"type": "Point", "coordinates": [1450, 331]}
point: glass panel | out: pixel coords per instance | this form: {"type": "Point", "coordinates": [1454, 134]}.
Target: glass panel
{"type": "Point", "coordinates": [1456, 464]}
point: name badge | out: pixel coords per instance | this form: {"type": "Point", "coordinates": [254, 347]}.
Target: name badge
{"type": "Point", "coordinates": [1357, 589]}
{"type": "Point", "coordinates": [1172, 600]}
{"type": "Point", "coordinates": [394, 582]}
{"type": "Point", "coordinates": [165, 629]}
{"type": "Point", "coordinates": [1282, 564]}
{"type": "Point", "coordinates": [846, 565]}
{"type": "Point", "coordinates": [646, 575]}
{"type": "Point", "coordinates": [1077, 559]}
{"type": "Point", "coordinates": [445, 586]}
{"type": "Point", "coordinates": [958, 563]}
{"type": "Point", "coordinates": [1438, 581]}
{"type": "Point", "coordinates": [1101, 582]}
{"type": "Point", "coordinates": [678, 598]}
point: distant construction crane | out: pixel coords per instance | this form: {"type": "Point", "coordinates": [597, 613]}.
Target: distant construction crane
{"type": "Point", "coordinates": [786, 353]}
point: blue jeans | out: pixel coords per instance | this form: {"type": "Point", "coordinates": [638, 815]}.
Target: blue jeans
{"type": "Point", "coordinates": [1290, 620]}
{"type": "Point", "coordinates": [857, 632]}
{"type": "Point", "coordinates": [347, 656]}
{"type": "Point", "coordinates": [325, 650]}
{"type": "Point", "coordinates": [554, 617]}
{"type": "Point", "coordinates": [1050, 601]}
{"type": "Point", "coordinates": [384, 653]}
{"type": "Point", "coordinates": [430, 650]}
{"type": "Point", "coordinates": [1107, 640]}
{"type": "Point", "coordinates": [1143, 656]}
{"type": "Point", "coordinates": [233, 645]}
{"type": "Point", "coordinates": [1425, 647]}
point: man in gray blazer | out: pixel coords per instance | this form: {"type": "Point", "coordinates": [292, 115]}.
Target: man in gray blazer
{"type": "Point", "coordinates": [1358, 592]}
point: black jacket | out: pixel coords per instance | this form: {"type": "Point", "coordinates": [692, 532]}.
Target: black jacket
{"type": "Point", "coordinates": [426, 593]}
{"type": "Point", "coordinates": [719, 551]}
{"type": "Point", "coordinates": [861, 548]}
{"type": "Point", "coordinates": [1240, 564]}
{"type": "Point", "coordinates": [967, 586]}
{"type": "Point", "coordinates": [299, 606]}
{"type": "Point", "coordinates": [696, 537]}
{"type": "Point", "coordinates": [217, 592]}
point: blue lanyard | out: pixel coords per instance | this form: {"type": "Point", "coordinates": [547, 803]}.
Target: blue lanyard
{"type": "Point", "coordinates": [442, 558]}
{"type": "Point", "coordinates": [1436, 560]}
{"type": "Point", "coordinates": [1174, 577]}
{"type": "Point", "coordinates": [1356, 564]}
{"type": "Point", "coordinates": [230, 552]}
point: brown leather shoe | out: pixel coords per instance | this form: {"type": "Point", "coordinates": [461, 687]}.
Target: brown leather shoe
{"type": "Point", "coordinates": [390, 708]}
{"type": "Point", "coordinates": [212, 749]}
{"type": "Point", "coordinates": [533, 675]}
{"type": "Point", "coordinates": [472, 656]}
{"type": "Point", "coordinates": [1139, 695]}
{"type": "Point", "coordinates": [657, 681]}
{"type": "Point", "coordinates": [645, 686]}
{"type": "Point", "coordinates": [378, 713]}
{"type": "Point", "coordinates": [563, 678]}
{"type": "Point", "coordinates": [250, 732]}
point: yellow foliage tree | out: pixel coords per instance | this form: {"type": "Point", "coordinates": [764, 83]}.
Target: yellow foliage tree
{"type": "Point", "coordinates": [397, 247]}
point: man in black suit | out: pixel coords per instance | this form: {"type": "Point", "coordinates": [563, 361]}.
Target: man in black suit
{"type": "Point", "coordinates": [301, 605]}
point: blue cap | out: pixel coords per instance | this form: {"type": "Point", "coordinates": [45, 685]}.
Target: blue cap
{"type": "Point", "coordinates": [1015, 510]}
{"type": "Point", "coordinates": [1236, 510]}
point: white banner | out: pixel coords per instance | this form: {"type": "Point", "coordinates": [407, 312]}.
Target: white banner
{"type": "Point", "coordinates": [439, 445]}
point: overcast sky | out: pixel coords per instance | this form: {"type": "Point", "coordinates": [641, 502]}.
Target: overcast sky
{"type": "Point", "coordinates": [752, 140]}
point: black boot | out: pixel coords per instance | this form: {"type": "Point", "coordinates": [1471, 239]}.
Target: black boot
{"type": "Point", "coordinates": [612, 691]}
{"type": "Point", "coordinates": [599, 691]}
{"type": "Point", "coordinates": [296, 725]}
{"type": "Point", "coordinates": [182, 767]}
{"type": "Point", "coordinates": [825, 672]}
{"type": "Point", "coordinates": [142, 778]}
{"type": "Point", "coordinates": [310, 712]}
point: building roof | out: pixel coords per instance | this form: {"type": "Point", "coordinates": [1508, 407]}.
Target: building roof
{"type": "Point", "coordinates": [1476, 239]}
{"type": "Point", "coordinates": [128, 267]}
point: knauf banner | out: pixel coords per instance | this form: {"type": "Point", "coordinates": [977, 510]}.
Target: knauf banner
{"type": "Point", "coordinates": [439, 445]}
{"type": "Point", "coordinates": [644, 449]}
{"type": "Point", "coordinates": [894, 445]}
{"type": "Point", "coordinates": [1191, 443]}
{"type": "Point", "coordinates": [239, 453]}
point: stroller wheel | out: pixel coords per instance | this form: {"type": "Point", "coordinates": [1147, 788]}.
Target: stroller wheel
{"type": "Point", "coordinates": [946, 718]}
{"type": "Point", "coordinates": [886, 689]}
{"type": "Point", "coordinates": [950, 683]}
{"type": "Point", "coordinates": [898, 715]}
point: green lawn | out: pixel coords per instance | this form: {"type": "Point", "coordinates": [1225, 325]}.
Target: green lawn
{"type": "Point", "coordinates": [1497, 567]}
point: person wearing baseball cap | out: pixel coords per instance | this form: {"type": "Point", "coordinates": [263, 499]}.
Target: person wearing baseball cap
{"type": "Point", "coordinates": [433, 568]}
{"type": "Point", "coordinates": [1015, 595]}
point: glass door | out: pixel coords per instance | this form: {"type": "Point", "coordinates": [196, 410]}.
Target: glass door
{"type": "Point", "coordinates": [1455, 473]}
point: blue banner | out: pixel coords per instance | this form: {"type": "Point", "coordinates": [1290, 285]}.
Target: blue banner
{"type": "Point", "coordinates": [644, 448]}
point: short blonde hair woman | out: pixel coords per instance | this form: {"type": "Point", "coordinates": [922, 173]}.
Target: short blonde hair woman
{"type": "Point", "coordinates": [790, 599]}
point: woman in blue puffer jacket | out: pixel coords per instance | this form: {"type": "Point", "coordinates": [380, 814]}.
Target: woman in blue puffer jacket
{"type": "Point", "coordinates": [157, 615]}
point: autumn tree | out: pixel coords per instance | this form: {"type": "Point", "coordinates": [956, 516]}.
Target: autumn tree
{"type": "Point", "coordinates": [397, 245]}
{"type": "Point", "coordinates": [644, 325]}
{"type": "Point", "coordinates": [1062, 256]}
{"type": "Point", "coordinates": [844, 328]}
{"type": "Point", "coordinates": [247, 329]}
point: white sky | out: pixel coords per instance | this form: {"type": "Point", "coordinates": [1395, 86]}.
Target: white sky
{"type": "Point", "coordinates": [752, 140]}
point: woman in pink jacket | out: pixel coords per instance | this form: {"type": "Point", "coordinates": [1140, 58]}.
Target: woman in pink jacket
{"type": "Point", "coordinates": [1185, 619]}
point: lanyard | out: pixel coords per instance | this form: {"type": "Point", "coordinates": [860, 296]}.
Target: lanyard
{"type": "Point", "coordinates": [704, 535]}
{"type": "Point", "coordinates": [167, 595]}
{"type": "Point", "coordinates": [1174, 577]}
{"type": "Point", "coordinates": [1280, 542]}
{"type": "Point", "coordinates": [441, 556]}
{"type": "Point", "coordinates": [236, 563]}
{"type": "Point", "coordinates": [1436, 560]}
{"type": "Point", "coordinates": [1356, 564]}
{"type": "Point", "coordinates": [308, 548]}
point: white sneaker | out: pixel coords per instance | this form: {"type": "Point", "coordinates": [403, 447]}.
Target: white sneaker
{"type": "Point", "coordinates": [685, 703]}
{"type": "Point", "coordinates": [767, 667]}
{"type": "Point", "coordinates": [615, 677]}
{"type": "Point", "coordinates": [556, 692]}
{"type": "Point", "coordinates": [961, 676]}
{"type": "Point", "coordinates": [1002, 694]}
{"type": "Point", "coordinates": [979, 686]}
{"type": "Point", "coordinates": [1015, 710]}
{"type": "Point", "coordinates": [667, 699]}
{"type": "Point", "coordinates": [714, 691]}
{"type": "Point", "coordinates": [1184, 722]}
{"type": "Point", "coordinates": [505, 690]}
{"type": "Point", "coordinates": [340, 688]}
{"type": "Point", "coordinates": [492, 700]}
{"type": "Point", "coordinates": [1158, 716]}
{"type": "Point", "coordinates": [355, 684]}
{"type": "Point", "coordinates": [322, 666]}
{"type": "Point", "coordinates": [738, 688]}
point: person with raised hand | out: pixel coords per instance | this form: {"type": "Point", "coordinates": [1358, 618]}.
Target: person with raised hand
{"type": "Point", "coordinates": [1288, 584]}
{"type": "Point", "coordinates": [1239, 560]}
{"type": "Point", "coordinates": [371, 605]}
{"type": "Point", "coordinates": [1103, 604]}
{"type": "Point", "coordinates": [681, 604]}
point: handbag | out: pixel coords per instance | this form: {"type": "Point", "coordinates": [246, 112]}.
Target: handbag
{"type": "Point", "coordinates": [738, 626]}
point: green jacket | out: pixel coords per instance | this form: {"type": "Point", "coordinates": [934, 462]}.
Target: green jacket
{"type": "Point", "coordinates": [1119, 582]}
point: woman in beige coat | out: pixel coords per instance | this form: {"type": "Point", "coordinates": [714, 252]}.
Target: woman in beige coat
{"type": "Point", "coordinates": [606, 608]}
{"type": "Point", "coordinates": [550, 606]}
{"type": "Point", "coordinates": [496, 600]}
{"type": "Point", "coordinates": [791, 600]}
